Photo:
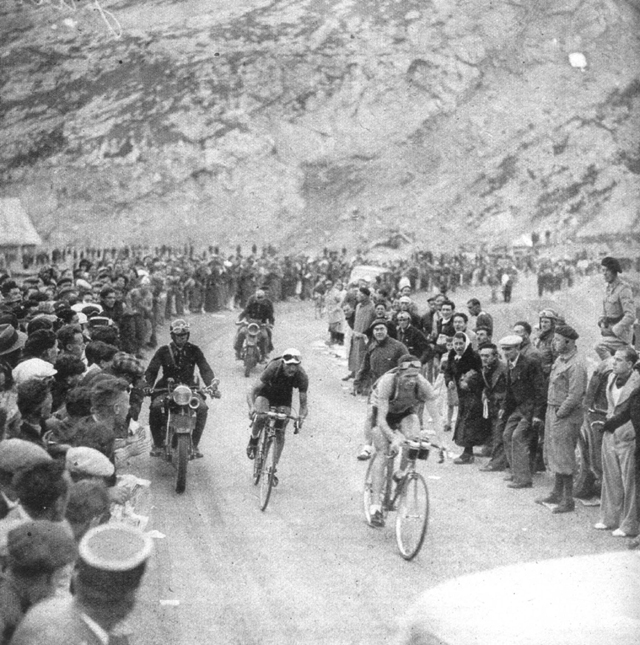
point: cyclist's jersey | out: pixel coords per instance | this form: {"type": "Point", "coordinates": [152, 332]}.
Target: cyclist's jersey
{"type": "Point", "coordinates": [401, 399]}
{"type": "Point", "coordinates": [278, 388]}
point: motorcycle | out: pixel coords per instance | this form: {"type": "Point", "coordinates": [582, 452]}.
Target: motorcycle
{"type": "Point", "coordinates": [181, 403]}
{"type": "Point", "coordinates": [254, 345]}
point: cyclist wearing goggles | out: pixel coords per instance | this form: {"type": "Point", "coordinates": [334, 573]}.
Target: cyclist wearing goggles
{"type": "Point", "coordinates": [178, 361]}
{"type": "Point", "coordinates": [275, 389]}
{"type": "Point", "coordinates": [392, 417]}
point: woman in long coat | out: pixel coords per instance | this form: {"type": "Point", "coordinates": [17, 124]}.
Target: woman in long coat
{"type": "Point", "coordinates": [464, 369]}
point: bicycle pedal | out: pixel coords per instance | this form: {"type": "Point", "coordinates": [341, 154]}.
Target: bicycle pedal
{"type": "Point", "coordinates": [274, 481]}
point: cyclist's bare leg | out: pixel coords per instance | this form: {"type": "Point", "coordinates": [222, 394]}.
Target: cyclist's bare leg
{"type": "Point", "coordinates": [369, 423]}
{"type": "Point", "coordinates": [381, 444]}
{"type": "Point", "coordinates": [410, 428]}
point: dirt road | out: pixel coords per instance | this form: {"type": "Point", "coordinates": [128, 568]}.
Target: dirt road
{"type": "Point", "coordinates": [309, 570]}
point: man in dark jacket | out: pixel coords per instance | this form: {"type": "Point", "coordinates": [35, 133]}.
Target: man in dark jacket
{"type": "Point", "coordinates": [382, 355]}
{"type": "Point", "coordinates": [494, 376]}
{"type": "Point", "coordinates": [413, 339]}
{"type": "Point", "coordinates": [178, 361]}
{"type": "Point", "coordinates": [523, 408]}
{"type": "Point", "coordinates": [259, 308]}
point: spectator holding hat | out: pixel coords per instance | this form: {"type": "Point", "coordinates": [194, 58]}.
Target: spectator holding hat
{"type": "Point", "coordinates": [37, 552]}
{"type": "Point", "coordinates": [110, 567]}
{"type": "Point", "coordinates": [567, 387]}
{"type": "Point", "coordinates": [618, 311]}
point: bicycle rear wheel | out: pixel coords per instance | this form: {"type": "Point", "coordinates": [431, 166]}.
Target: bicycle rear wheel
{"type": "Point", "coordinates": [412, 516]}
{"type": "Point", "coordinates": [268, 470]}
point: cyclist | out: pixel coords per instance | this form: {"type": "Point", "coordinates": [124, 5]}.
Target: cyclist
{"type": "Point", "coordinates": [178, 361]}
{"type": "Point", "coordinates": [275, 389]}
{"type": "Point", "coordinates": [393, 417]}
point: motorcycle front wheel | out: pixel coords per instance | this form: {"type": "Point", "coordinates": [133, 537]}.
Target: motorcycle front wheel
{"type": "Point", "coordinates": [250, 360]}
{"type": "Point", "coordinates": [183, 442]}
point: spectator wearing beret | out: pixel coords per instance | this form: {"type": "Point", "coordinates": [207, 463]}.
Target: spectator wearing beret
{"type": "Point", "coordinates": [567, 387]}
{"type": "Point", "coordinates": [618, 311]}
{"type": "Point", "coordinates": [110, 567]}
{"type": "Point", "coordinates": [15, 455]}
{"type": "Point", "coordinates": [37, 551]}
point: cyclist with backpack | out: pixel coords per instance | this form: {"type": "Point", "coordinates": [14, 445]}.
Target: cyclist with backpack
{"type": "Point", "coordinates": [394, 407]}
{"type": "Point", "coordinates": [275, 389]}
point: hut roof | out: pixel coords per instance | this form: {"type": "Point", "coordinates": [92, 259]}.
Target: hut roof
{"type": "Point", "coordinates": [16, 228]}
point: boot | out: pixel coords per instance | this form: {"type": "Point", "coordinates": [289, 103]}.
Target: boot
{"type": "Point", "coordinates": [567, 504]}
{"type": "Point", "coordinates": [555, 495]}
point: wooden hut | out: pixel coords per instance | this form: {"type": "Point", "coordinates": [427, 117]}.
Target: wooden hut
{"type": "Point", "coordinates": [18, 236]}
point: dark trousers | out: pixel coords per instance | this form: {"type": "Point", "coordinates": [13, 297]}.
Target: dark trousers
{"type": "Point", "coordinates": [517, 445]}
{"type": "Point", "coordinates": [158, 421]}
{"type": "Point", "coordinates": [498, 456]}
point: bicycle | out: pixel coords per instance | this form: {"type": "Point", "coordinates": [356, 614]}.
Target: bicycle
{"type": "Point", "coordinates": [409, 497]}
{"type": "Point", "coordinates": [265, 462]}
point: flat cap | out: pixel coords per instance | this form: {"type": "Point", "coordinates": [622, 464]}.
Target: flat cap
{"type": "Point", "coordinates": [512, 340]}
{"type": "Point", "coordinates": [82, 460]}
{"type": "Point", "coordinates": [567, 332]}
{"type": "Point", "coordinates": [40, 547]}
{"type": "Point", "coordinates": [612, 264]}
{"type": "Point", "coordinates": [17, 453]}
{"type": "Point", "coordinates": [33, 368]}
{"type": "Point", "coordinates": [379, 321]}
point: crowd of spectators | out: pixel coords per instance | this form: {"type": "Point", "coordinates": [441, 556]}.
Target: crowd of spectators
{"type": "Point", "coordinates": [73, 335]}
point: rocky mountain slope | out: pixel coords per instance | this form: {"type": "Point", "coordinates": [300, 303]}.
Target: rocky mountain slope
{"type": "Point", "coordinates": [313, 122]}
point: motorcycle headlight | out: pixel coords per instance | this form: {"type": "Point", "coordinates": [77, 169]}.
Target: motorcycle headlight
{"type": "Point", "coordinates": [182, 395]}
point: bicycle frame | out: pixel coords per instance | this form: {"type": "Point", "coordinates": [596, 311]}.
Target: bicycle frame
{"type": "Point", "coordinates": [409, 497]}
{"type": "Point", "coordinates": [267, 457]}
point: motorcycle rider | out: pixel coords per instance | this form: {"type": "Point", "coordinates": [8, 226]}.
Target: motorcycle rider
{"type": "Point", "coordinates": [259, 308]}
{"type": "Point", "coordinates": [178, 361]}
{"type": "Point", "coordinates": [275, 389]}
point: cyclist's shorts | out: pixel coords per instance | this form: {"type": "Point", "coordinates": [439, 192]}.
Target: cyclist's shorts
{"type": "Point", "coordinates": [394, 419]}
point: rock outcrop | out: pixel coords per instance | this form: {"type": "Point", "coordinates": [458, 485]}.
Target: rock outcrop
{"type": "Point", "coordinates": [315, 122]}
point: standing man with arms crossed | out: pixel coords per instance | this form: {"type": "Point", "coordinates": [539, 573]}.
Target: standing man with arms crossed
{"type": "Point", "coordinates": [618, 311]}
{"type": "Point", "coordinates": [567, 386]}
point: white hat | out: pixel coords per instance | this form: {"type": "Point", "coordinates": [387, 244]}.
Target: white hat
{"type": "Point", "coordinates": [32, 368]}
{"type": "Point", "coordinates": [88, 461]}
{"type": "Point", "coordinates": [513, 340]}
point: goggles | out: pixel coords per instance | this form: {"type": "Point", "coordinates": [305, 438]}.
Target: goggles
{"type": "Point", "coordinates": [407, 364]}
{"type": "Point", "coordinates": [291, 359]}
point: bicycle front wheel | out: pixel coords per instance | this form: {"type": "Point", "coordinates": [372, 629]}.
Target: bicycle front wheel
{"type": "Point", "coordinates": [259, 458]}
{"type": "Point", "coordinates": [412, 517]}
{"type": "Point", "coordinates": [268, 471]}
